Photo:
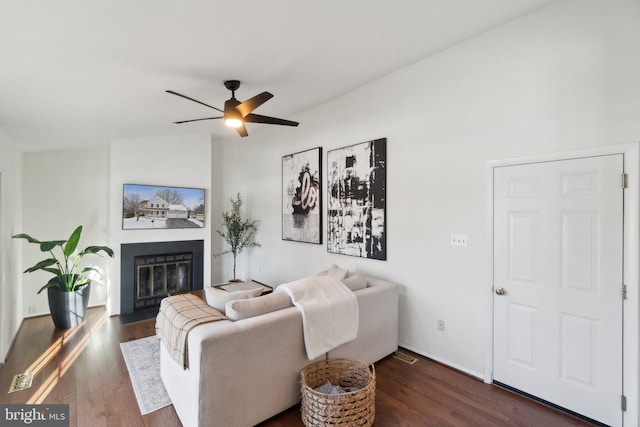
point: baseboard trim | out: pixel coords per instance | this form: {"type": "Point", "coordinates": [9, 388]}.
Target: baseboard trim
{"type": "Point", "coordinates": [444, 362]}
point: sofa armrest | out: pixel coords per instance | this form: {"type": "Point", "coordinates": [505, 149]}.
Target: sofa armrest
{"type": "Point", "coordinates": [378, 323]}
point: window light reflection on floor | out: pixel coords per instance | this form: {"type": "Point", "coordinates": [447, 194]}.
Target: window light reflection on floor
{"type": "Point", "coordinates": [66, 363]}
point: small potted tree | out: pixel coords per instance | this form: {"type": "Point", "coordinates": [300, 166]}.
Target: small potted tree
{"type": "Point", "coordinates": [69, 288]}
{"type": "Point", "coordinates": [238, 232]}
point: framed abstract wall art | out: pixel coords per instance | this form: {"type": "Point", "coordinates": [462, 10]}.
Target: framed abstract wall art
{"type": "Point", "coordinates": [302, 196]}
{"type": "Point", "coordinates": [153, 206]}
{"type": "Point", "coordinates": [356, 194]}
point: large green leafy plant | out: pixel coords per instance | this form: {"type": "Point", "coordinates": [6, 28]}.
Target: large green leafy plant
{"type": "Point", "coordinates": [65, 266]}
{"type": "Point", "coordinates": [239, 233]}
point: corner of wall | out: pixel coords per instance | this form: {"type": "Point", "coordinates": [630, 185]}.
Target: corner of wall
{"type": "Point", "coordinates": [10, 250]}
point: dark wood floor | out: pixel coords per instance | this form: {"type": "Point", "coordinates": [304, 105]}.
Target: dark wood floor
{"type": "Point", "coordinates": [83, 367]}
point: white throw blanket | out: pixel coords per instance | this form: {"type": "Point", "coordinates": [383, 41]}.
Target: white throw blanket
{"type": "Point", "coordinates": [329, 312]}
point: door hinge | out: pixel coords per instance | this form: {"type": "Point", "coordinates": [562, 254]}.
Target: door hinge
{"type": "Point", "coordinates": [625, 180]}
{"type": "Point", "coordinates": [624, 291]}
{"type": "Point", "coordinates": [623, 403]}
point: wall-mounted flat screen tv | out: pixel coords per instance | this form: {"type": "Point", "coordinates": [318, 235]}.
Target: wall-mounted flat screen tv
{"type": "Point", "coordinates": [162, 207]}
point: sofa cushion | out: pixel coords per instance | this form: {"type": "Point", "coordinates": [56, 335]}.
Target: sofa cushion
{"type": "Point", "coordinates": [244, 308]}
{"type": "Point", "coordinates": [218, 298]}
{"type": "Point", "coordinates": [335, 272]}
{"type": "Point", "coordinates": [355, 282]}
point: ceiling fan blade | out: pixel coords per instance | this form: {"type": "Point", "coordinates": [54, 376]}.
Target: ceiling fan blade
{"type": "Point", "coordinates": [257, 118]}
{"type": "Point", "coordinates": [197, 120]}
{"type": "Point", "coordinates": [242, 131]}
{"type": "Point", "coordinates": [251, 104]}
{"type": "Point", "coordinates": [191, 99]}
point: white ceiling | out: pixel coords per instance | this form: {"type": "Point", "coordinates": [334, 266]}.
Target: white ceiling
{"type": "Point", "coordinates": [78, 72]}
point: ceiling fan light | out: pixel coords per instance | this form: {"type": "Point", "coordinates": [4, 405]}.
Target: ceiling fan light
{"type": "Point", "coordinates": [233, 122]}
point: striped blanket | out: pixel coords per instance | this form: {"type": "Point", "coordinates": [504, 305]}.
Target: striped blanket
{"type": "Point", "coordinates": [178, 315]}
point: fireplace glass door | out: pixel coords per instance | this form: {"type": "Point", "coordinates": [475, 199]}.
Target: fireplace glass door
{"type": "Point", "coordinates": [160, 275]}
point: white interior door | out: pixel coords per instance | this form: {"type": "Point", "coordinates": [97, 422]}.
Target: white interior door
{"type": "Point", "coordinates": [558, 248]}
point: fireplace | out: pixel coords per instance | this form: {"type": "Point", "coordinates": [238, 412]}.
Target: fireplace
{"type": "Point", "coordinates": [150, 271]}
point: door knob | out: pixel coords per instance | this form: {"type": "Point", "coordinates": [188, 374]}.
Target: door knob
{"type": "Point", "coordinates": [500, 291]}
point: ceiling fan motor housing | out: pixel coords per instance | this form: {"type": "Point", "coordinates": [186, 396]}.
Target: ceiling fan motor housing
{"type": "Point", "coordinates": [232, 85]}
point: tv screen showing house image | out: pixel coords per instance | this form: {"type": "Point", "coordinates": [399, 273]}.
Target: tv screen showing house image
{"type": "Point", "coordinates": [154, 206]}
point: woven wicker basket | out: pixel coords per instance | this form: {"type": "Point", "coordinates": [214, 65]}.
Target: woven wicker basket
{"type": "Point", "coordinates": [355, 408]}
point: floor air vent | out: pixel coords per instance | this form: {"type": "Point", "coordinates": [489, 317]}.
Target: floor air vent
{"type": "Point", "coordinates": [405, 357]}
{"type": "Point", "coordinates": [21, 381]}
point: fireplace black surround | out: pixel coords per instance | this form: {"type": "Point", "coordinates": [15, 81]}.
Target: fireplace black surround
{"type": "Point", "coordinates": [130, 251]}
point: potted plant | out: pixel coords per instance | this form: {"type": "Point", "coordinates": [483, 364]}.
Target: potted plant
{"type": "Point", "coordinates": [238, 232]}
{"type": "Point", "coordinates": [69, 288]}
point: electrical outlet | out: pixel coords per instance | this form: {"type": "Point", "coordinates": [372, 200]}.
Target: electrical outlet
{"type": "Point", "coordinates": [441, 325]}
{"type": "Point", "coordinates": [458, 240]}
{"type": "Point", "coordinates": [32, 309]}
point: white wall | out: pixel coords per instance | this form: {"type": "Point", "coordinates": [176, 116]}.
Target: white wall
{"type": "Point", "coordinates": [562, 78]}
{"type": "Point", "coordinates": [180, 161]}
{"type": "Point", "coordinates": [10, 249]}
{"type": "Point", "coordinates": [62, 190]}
{"type": "Point", "coordinates": [220, 265]}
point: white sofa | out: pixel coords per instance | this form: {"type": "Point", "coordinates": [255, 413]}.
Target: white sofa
{"type": "Point", "coordinates": [244, 372]}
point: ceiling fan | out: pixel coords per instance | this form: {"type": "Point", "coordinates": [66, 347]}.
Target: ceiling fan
{"type": "Point", "coordinates": [236, 113]}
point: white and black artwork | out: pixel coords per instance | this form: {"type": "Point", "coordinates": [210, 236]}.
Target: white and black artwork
{"type": "Point", "coordinates": [357, 200]}
{"type": "Point", "coordinates": [301, 196]}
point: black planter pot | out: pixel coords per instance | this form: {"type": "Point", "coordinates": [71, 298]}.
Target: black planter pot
{"type": "Point", "coordinates": [68, 308]}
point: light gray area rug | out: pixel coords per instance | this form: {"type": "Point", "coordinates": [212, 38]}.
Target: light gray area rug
{"type": "Point", "coordinates": [143, 362]}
